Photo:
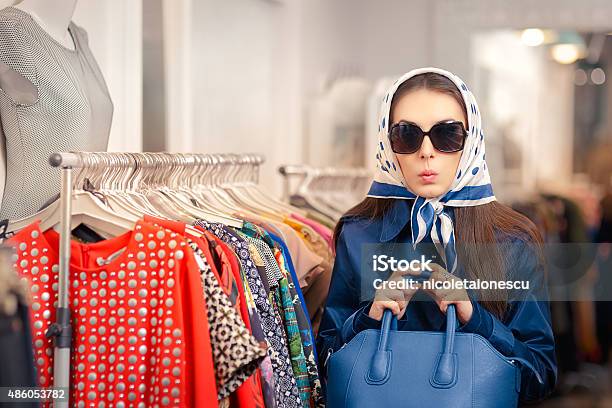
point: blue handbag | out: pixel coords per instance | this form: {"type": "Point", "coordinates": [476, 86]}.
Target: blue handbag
{"type": "Point", "coordinates": [391, 368]}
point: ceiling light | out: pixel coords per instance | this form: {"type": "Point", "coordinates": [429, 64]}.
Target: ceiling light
{"type": "Point", "coordinates": [565, 53]}
{"type": "Point", "coordinates": [532, 37]}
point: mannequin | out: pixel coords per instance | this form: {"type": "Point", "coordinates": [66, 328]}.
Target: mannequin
{"type": "Point", "coordinates": [53, 16]}
{"type": "Point", "coordinates": [52, 97]}
{"type": "Point", "coordinates": [56, 16]}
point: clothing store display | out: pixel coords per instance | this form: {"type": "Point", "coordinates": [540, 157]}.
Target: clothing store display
{"type": "Point", "coordinates": [53, 98]}
{"type": "Point", "coordinates": [322, 230]}
{"type": "Point", "coordinates": [470, 187]}
{"type": "Point", "coordinates": [324, 194]}
{"type": "Point", "coordinates": [177, 313]}
{"type": "Point", "coordinates": [385, 245]}
{"type": "Point", "coordinates": [285, 384]}
{"type": "Point", "coordinates": [236, 353]}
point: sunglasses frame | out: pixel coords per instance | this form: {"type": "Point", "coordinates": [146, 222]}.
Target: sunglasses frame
{"type": "Point", "coordinates": [448, 122]}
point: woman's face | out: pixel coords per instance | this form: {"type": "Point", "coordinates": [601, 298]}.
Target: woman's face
{"type": "Point", "coordinates": [426, 108]}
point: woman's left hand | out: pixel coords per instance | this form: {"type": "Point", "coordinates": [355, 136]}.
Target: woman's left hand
{"type": "Point", "coordinates": [451, 296]}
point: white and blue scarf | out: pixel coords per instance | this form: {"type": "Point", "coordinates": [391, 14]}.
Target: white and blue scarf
{"type": "Point", "coordinates": [471, 186]}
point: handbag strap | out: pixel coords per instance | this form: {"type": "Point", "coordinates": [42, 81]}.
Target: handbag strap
{"type": "Point", "coordinates": [445, 371]}
{"type": "Point", "coordinates": [380, 367]}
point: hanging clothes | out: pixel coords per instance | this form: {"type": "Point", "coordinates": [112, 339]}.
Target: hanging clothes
{"type": "Point", "coordinates": [176, 310]}
{"type": "Point", "coordinates": [286, 390]}
{"type": "Point", "coordinates": [141, 334]}
{"type": "Point", "coordinates": [236, 353]}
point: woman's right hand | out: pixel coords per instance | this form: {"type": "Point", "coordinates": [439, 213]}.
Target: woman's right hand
{"type": "Point", "coordinates": [398, 308]}
{"type": "Point", "coordinates": [395, 300]}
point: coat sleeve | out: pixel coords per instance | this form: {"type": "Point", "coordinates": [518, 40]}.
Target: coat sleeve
{"type": "Point", "coordinates": [342, 302]}
{"type": "Point", "coordinates": [525, 330]}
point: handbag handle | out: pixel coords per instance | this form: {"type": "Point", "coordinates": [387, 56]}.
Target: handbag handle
{"type": "Point", "coordinates": [445, 371]}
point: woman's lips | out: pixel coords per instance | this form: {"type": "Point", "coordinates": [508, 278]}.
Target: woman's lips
{"type": "Point", "coordinates": [428, 179]}
{"type": "Point", "coordinates": [428, 176]}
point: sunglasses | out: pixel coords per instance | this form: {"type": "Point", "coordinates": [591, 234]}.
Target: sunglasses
{"type": "Point", "coordinates": [446, 137]}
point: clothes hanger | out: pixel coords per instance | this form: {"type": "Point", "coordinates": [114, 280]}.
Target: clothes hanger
{"type": "Point", "coordinates": [153, 167]}
{"type": "Point", "coordinates": [85, 208]}
{"type": "Point", "coordinates": [249, 186]}
{"type": "Point", "coordinates": [206, 189]}
{"type": "Point", "coordinates": [130, 189]}
{"type": "Point", "coordinates": [112, 185]}
{"type": "Point", "coordinates": [90, 209]}
{"type": "Point", "coordinates": [245, 189]}
{"type": "Point", "coordinates": [319, 193]}
{"type": "Point", "coordinates": [166, 185]}
{"type": "Point", "coordinates": [229, 182]}
{"type": "Point", "coordinates": [186, 195]}
{"type": "Point", "coordinates": [303, 191]}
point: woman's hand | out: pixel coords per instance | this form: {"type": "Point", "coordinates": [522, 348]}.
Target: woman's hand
{"type": "Point", "coordinates": [395, 300]}
{"type": "Point", "coordinates": [444, 297]}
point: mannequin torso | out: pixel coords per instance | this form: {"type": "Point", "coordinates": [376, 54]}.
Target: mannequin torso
{"type": "Point", "coordinates": [52, 97]}
{"type": "Point", "coordinates": [54, 17]}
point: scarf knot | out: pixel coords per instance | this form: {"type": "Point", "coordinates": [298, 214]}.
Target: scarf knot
{"type": "Point", "coordinates": [438, 207]}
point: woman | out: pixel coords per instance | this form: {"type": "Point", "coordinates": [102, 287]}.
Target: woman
{"type": "Point", "coordinates": [432, 185]}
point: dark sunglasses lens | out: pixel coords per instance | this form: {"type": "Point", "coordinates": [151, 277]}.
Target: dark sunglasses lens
{"type": "Point", "coordinates": [405, 138]}
{"type": "Point", "coordinates": [448, 137]}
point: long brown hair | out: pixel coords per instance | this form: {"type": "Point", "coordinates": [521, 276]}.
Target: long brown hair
{"type": "Point", "coordinates": [473, 225]}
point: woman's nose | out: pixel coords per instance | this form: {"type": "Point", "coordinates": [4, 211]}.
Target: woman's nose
{"type": "Point", "coordinates": [427, 149]}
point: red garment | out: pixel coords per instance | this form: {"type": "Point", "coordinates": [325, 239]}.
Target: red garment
{"type": "Point", "coordinates": [140, 335]}
{"type": "Point", "coordinates": [249, 394]}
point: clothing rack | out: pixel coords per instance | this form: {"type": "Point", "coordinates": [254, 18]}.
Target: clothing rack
{"type": "Point", "coordinates": [173, 169]}
{"type": "Point", "coordinates": [329, 178]}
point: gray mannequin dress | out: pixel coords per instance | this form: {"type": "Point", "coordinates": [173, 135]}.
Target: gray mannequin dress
{"type": "Point", "coordinates": [51, 99]}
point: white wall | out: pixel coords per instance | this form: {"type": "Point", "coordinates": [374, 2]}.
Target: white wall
{"type": "Point", "coordinates": [242, 84]}
{"type": "Point", "coordinates": [115, 37]}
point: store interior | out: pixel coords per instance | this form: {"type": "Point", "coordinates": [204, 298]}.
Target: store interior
{"type": "Point", "coordinates": [299, 82]}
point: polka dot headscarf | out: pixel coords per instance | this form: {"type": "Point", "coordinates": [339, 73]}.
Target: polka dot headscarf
{"type": "Point", "coordinates": [471, 185]}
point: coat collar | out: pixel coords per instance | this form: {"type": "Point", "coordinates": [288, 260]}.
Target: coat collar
{"type": "Point", "coordinates": [395, 219]}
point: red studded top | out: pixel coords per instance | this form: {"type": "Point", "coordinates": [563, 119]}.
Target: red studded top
{"type": "Point", "coordinates": [140, 332]}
